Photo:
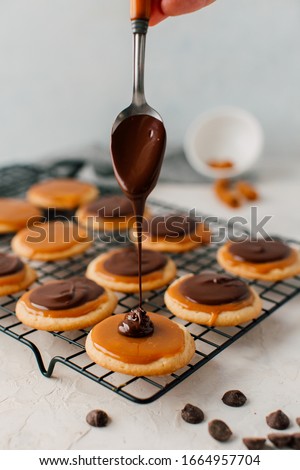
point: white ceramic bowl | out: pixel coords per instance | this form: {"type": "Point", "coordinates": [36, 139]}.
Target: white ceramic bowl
{"type": "Point", "coordinates": [224, 134]}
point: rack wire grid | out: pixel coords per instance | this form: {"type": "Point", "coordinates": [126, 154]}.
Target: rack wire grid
{"type": "Point", "coordinates": [209, 341]}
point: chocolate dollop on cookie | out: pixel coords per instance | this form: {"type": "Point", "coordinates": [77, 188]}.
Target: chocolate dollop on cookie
{"type": "Point", "coordinates": [136, 324]}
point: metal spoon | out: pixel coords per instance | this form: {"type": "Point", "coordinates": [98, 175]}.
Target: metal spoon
{"type": "Point", "coordinates": [139, 13]}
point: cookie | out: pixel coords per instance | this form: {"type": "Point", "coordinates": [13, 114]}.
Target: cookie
{"type": "Point", "coordinates": [108, 214]}
{"type": "Point", "coordinates": [14, 274]}
{"type": "Point", "coordinates": [51, 241]}
{"type": "Point", "coordinates": [69, 304]}
{"type": "Point", "coordinates": [213, 299]}
{"type": "Point", "coordinates": [269, 260]}
{"type": "Point", "coordinates": [61, 193]}
{"type": "Point", "coordinates": [169, 348]}
{"type": "Point", "coordinates": [173, 233]}
{"type": "Point", "coordinates": [118, 270]}
{"type": "Point", "coordinates": [16, 214]}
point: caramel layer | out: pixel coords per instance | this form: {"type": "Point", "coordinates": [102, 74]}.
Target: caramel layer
{"type": "Point", "coordinates": [175, 293]}
{"type": "Point", "coordinates": [261, 267]}
{"type": "Point", "coordinates": [67, 313]}
{"type": "Point", "coordinates": [15, 278]}
{"type": "Point", "coordinates": [166, 340]}
{"type": "Point", "coordinates": [60, 191]}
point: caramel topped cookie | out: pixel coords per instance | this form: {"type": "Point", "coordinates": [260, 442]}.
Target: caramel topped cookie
{"type": "Point", "coordinates": [51, 241]}
{"type": "Point", "coordinates": [65, 305]}
{"type": "Point", "coordinates": [212, 299]}
{"type": "Point", "coordinates": [61, 193]}
{"type": "Point", "coordinates": [14, 274]}
{"type": "Point", "coordinates": [15, 214]}
{"type": "Point", "coordinates": [260, 259]}
{"type": "Point", "coordinates": [168, 348]}
{"type": "Point", "coordinates": [118, 270]}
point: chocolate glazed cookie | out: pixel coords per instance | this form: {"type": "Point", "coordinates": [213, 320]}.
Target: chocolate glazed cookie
{"type": "Point", "coordinates": [119, 270]}
{"type": "Point", "coordinates": [270, 260]}
{"type": "Point", "coordinates": [14, 274]}
{"type": "Point", "coordinates": [213, 299]}
{"type": "Point", "coordinates": [65, 305]}
{"type": "Point", "coordinates": [260, 251]}
{"type": "Point", "coordinates": [10, 265]}
{"type": "Point", "coordinates": [214, 289]}
{"type": "Point", "coordinates": [65, 295]}
{"type": "Point", "coordinates": [124, 263]}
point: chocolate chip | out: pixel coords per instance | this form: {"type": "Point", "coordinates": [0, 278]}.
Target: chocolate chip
{"type": "Point", "coordinates": [219, 430]}
{"type": "Point", "coordinates": [234, 398]}
{"type": "Point", "coordinates": [280, 440]}
{"type": "Point", "coordinates": [278, 420]}
{"type": "Point", "coordinates": [254, 443]}
{"type": "Point", "coordinates": [295, 441]}
{"type": "Point", "coordinates": [192, 414]}
{"type": "Point", "coordinates": [298, 421]}
{"type": "Point", "coordinates": [97, 418]}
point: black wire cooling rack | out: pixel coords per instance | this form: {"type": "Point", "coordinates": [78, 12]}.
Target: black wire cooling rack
{"type": "Point", "coordinates": [67, 348]}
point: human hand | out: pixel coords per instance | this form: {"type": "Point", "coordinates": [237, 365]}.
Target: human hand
{"type": "Point", "coordinates": [161, 9]}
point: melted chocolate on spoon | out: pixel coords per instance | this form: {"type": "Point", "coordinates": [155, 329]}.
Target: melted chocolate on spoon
{"type": "Point", "coordinates": [137, 148]}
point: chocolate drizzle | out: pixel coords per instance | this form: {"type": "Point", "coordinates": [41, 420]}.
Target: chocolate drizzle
{"type": "Point", "coordinates": [10, 265]}
{"type": "Point", "coordinates": [136, 324]}
{"type": "Point", "coordinates": [125, 262]}
{"type": "Point", "coordinates": [110, 206]}
{"type": "Point", "coordinates": [137, 148]}
{"type": "Point", "coordinates": [260, 251]}
{"type": "Point", "coordinates": [66, 294]}
{"type": "Point", "coordinates": [211, 288]}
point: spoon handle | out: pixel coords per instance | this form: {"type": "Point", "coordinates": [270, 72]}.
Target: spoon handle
{"type": "Point", "coordinates": [140, 9]}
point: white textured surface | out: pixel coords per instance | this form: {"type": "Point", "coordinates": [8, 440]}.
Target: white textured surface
{"type": "Point", "coordinates": [66, 70]}
{"type": "Point", "coordinates": [40, 413]}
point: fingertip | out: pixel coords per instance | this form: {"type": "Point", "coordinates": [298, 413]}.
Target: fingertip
{"type": "Point", "coordinates": [157, 15]}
